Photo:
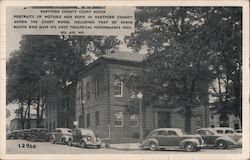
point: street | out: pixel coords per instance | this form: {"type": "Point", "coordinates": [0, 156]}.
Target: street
{"type": "Point", "coordinates": [26, 147]}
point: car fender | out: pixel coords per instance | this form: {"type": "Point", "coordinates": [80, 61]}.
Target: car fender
{"type": "Point", "coordinates": [70, 138]}
{"type": "Point", "coordinates": [227, 140]}
{"type": "Point", "coordinates": [148, 141]}
{"type": "Point", "coordinates": [189, 140]}
{"type": "Point", "coordinates": [53, 136]}
{"type": "Point", "coordinates": [66, 138]}
{"type": "Point", "coordinates": [239, 143]}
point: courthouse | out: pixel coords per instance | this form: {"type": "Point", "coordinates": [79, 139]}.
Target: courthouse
{"type": "Point", "coordinates": [102, 98]}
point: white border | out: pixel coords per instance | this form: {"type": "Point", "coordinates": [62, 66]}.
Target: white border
{"type": "Point", "coordinates": [245, 94]}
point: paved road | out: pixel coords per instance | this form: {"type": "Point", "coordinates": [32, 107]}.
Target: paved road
{"type": "Point", "coordinates": [48, 148]}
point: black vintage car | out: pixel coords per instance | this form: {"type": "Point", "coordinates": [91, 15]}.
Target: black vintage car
{"type": "Point", "coordinates": [13, 135]}
{"type": "Point", "coordinates": [214, 139]}
{"type": "Point", "coordinates": [24, 134]}
{"type": "Point", "coordinates": [38, 134]}
{"type": "Point", "coordinates": [172, 139]}
{"type": "Point", "coordinates": [85, 138]}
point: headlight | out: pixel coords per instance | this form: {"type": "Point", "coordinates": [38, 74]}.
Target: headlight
{"type": "Point", "coordinates": [88, 139]}
{"type": "Point", "coordinates": [98, 139]}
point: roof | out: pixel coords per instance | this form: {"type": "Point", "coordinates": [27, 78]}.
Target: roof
{"type": "Point", "coordinates": [121, 57]}
{"type": "Point", "coordinates": [125, 56]}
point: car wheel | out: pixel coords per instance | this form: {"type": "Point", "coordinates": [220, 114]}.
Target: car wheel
{"type": "Point", "coordinates": [189, 147]}
{"type": "Point", "coordinates": [83, 145]}
{"type": "Point", "coordinates": [33, 139]}
{"type": "Point", "coordinates": [98, 146]}
{"type": "Point", "coordinates": [153, 146]}
{"type": "Point", "coordinates": [70, 142]}
{"type": "Point", "coordinates": [221, 145]}
{"type": "Point", "coordinates": [64, 141]}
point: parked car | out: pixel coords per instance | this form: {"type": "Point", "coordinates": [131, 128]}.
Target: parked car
{"type": "Point", "coordinates": [13, 135]}
{"type": "Point", "coordinates": [61, 135]}
{"type": "Point", "coordinates": [214, 139]}
{"type": "Point", "coordinates": [172, 139]}
{"type": "Point", "coordinates": [84, 138]}
{"type": "Point", "coordinates": [237, 137]}
{"type": "Point", "coordinates": [24, 134]}
{"type": "Point", "coordinates": [38, 134]}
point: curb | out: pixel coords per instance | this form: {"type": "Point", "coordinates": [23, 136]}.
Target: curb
{"type": "Point", "coordinates": [107, 145]}
{"type": "Point", "coordinates": [124, 149]}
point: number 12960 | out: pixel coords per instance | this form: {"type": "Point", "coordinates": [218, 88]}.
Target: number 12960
{"type": "Point", "coordinates": [27, 145]}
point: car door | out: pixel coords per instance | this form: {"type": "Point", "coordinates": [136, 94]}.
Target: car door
{"type": "Point", "coordinates": [162, 138]}
{"type": "Point", "coordinates": [206, 138]}
{"type": "Point", "coordinates": [210, 136]}
{"type": "Point", "coordinates": [78, 136]}
{"type": "Point", "coordinates": [173, 139]}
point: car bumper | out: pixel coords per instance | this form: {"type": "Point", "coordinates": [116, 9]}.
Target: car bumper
{"type": "Point", "coordinates": [93, 144]}
{"type": "Point", "coordinates": [201, 146]}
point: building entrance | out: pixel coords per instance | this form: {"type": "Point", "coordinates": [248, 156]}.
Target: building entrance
{"type": "Point", "coordinates": [164, 120]}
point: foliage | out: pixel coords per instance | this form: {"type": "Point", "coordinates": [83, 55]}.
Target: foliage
{"type": "Point", "coordinates": [49, 65]}
{"type": "Point", "coordinates": [182, 53]}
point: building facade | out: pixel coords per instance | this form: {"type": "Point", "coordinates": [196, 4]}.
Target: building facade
{"type": "Point", "coordinates": [15, 124]}
{"type": "Point", "coordinates": [224, 120]}
{"type": "Point", "coordinates": [60, 109]}
{"type": "Point", "coordinates": [102, 100]}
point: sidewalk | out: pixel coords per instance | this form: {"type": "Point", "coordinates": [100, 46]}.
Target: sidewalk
{"type": "Point", "coordinates": [125, 146]}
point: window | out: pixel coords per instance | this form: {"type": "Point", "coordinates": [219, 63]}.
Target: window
{"type": "Point", "coordinates": [96, 88]}
{"type": "Point", "coordinates": [212, 126]}
{"type": "Point", "coordinates": [88, 90]}
{"type": "Point", "coordinates": [133, 120]}
{"type": "Point", "coordinates": [172, 133]}
{"type": "Point", "coordinates": [162, 133]}
{"type": "Point", "coordinates": [236, 126]}
{"type": "Point", "coordinates": [118, 88]}
{"type": "Point", "coordinates": [88, 120]}
{"type": "Point", "coordinates": [219, 131]}
{"type": "Point", "coordinates": [202, 132]}
{"type": "Point", "coordinates": [97, 118]}
{"type": "Point", "coordinates": [58, 131]}
{"type": "Point", "coordinates": [212, 117]}
{"type": "Point", "coordinates": [118, 119]}
{"type": "Point", "coordinates": [209, 133]}
{"type": "Point", "coordinates": [229, 131]}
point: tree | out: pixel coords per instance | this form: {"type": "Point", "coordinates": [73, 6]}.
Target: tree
{"type": "Point", "coordinates": [178, 67]}
{"type": "Point", "coordinates": [222, 35]}
{"type": "Point", "coordinates": [47, 65]}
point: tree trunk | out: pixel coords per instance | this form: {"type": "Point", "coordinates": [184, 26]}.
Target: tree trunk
{"type": "Point", "coordinates": [38, 113]}
{"type": "Point", "coordinates": [188, 118]}
{"type": "Point", "coordinates": [42, 111]}
{"type": "Point", "coordinates": [28, 118]}
{"type": "Point", "coordinates": [22, 118]}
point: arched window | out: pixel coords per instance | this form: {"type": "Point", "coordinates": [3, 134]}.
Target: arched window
{"type": "Point", "coordinates": [88, 90]}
